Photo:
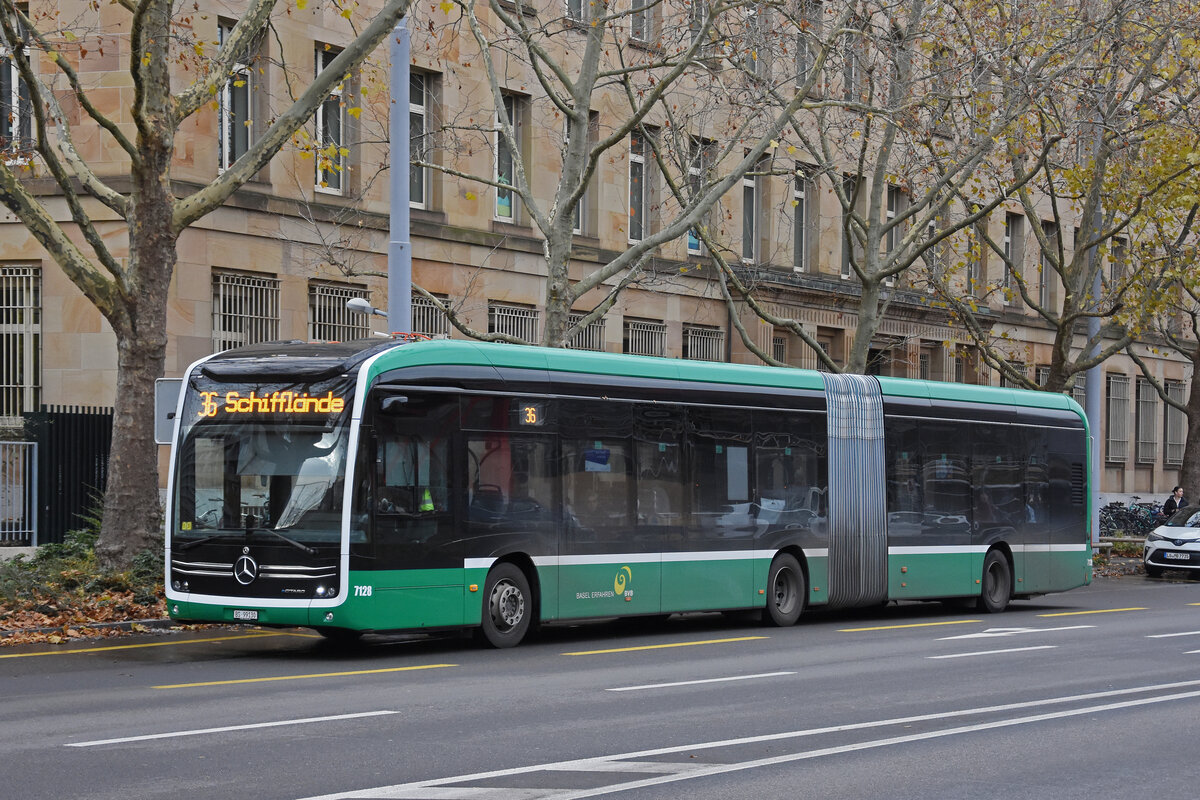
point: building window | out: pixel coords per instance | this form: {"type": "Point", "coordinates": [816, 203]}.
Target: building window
{"type": "Point", "coordinates": [700, 161]}
{"type": "Point", "coordinates": [16, 112]}
{"type": "Point", "coordinates": [506, 201]}
{"type": "Point", "coordinates": [637, 186]}
{"type": "Point", "coordinates": [1175, 426]}
{"type": "Point", "coordinates": [849, 244]}
{"type": "Point", "coordinates": [1045, 262]}
{"type": "Point", "coordinates": [1079, 390]}
{"type": "Point", "coordinates": [644, 338]}
{"type": "Point", "coordinates": [1013, 254]}
{"type": "Point", "coordinates": [1041, 374]}
{"type": "Point", "coordinates": [577, 10]}
{"type": "Point", "coordinates": [641, 20]}
{"type": "Point", "coordinates": [520, 322]}
{"type": "Point", "coordinates": [800, 222]}
{"type": "Point", "coordinates": [418, 139]}
{"type": "Point", "coordinates": [977, 258]}
{"type": "Point", "coordinates": [331, 131]}
{"type": "Point", "coordinates": [1118, 259]}
{"type": "Point", "coordinates": [854, 54]}
{"type": "Point", "coordinates": [235, 106]}
{"type": "Point", "coordinates": [1011, 383]}
{"type": "Point", "coordinates": [1116, 417]}
{"type": "Point", "coordinates": [755, 47]}
{"type": "Point", "coordinates": [1146, 445]}
{"type": "Point", "coordinates": [808, 40]}
{"type": "Point", "coordinates": [427, 319]}
{"type": "Point", "coordinates": [893, 210]}
{"type": "Point", "coordinates": [245, 310]}
{"type": "Point", "coordinates": [591, 337]}
{"type": "Point", "coordinates": [779, 349]}
{"type": "Point", "coordinates": [20, 342]}
{"type": "Point", "coordinates": [703, 343]}
{"type": "Point", "coordinates": [328, 318]}
{"type": "Point", "coordinates": [751, 206]}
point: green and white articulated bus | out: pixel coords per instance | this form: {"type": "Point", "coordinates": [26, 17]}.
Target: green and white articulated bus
{"type": "Point", "coordinates": [397, 485]}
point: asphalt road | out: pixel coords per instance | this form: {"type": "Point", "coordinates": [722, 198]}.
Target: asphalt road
{"type": "Point", "coordinates": [1090, 694]}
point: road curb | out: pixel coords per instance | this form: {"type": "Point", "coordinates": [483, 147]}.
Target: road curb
{"type": "Point", "coordinates": [127, 625]}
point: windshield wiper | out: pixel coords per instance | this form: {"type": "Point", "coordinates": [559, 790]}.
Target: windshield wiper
{"type": "Point", "coordinates": [298, 545]}
{"type": "Point", "coordinates": [205, 540]}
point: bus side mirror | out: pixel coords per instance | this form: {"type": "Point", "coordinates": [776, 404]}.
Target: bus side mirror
{"type": "Point", "coordinates": [393, 404]}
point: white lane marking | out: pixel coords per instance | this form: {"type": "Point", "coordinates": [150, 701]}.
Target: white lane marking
{"type": "Point", "coordinates": [705, 680]}
{"type": "Point", "coordinates": [990, 632]}
{"type": "Point", "coordinates": [439, 787]}
{"type": "Point", "coordinates": [997, 652]}
{"type": "Point", "coordinates": [250, 726]}
{"type": "Point", "coordinates": [1170, 635]}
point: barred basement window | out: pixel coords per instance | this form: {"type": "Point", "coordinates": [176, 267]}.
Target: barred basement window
{"type": "Point", "coordinates": [703, 343]}
{"type": "Point", "coordinates": [1006, 381]}
{"type": "Point", "coordinates": [644, 338]}
{"type": "Point", "coordinates": [328, 318]}
{"type": "Point", "coordinates": [1175, 424]}
{"type": "Point", "coordinates": [20, 342]}
{"type": "Point", "coordinates": [520, 322]}
{"type": "Point", "coordinates": [427, 319]}
{"type": "Point", "coordinates": [779, 349]}
{"type": "Point", "coordinates": [590, 338]}
{"type": "Point", "coordinates": [1147, 422]}
{"type": "Point", "coordinates": [1116, 419]}
{"type": "Point", "coordinates": [245, 310]}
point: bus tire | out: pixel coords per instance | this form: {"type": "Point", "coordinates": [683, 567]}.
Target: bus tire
{"type": "Point", "coordinates": [785, 591]}
{"type": "Point", "coordinates": [507, 606]}
{"type": "Point", "coordinates": [996, 583]}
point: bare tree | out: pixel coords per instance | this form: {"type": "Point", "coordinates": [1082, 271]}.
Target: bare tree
{"type": "Point", "coordinates": [605, 80]}
{"type": "Point", "coordinates": [1111, 122]}
{"type": "Point", "coordinates": [175, 73]}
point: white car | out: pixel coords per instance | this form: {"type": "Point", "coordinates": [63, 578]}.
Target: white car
{"type": "Point", "coordinates": [1175, 544]}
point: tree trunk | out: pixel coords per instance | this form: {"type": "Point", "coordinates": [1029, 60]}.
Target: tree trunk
{"type": "Point", "coordinates": [132, 512]}
{"type": "Point", "coordinates": [132, 519]}
{"type": "Point", "coordinates": [1189, 472]}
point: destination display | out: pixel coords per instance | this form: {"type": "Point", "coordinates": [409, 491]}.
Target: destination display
{"type": "Point", "coordinates": [230, 403]}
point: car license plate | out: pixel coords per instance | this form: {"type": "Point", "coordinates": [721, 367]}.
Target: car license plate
{"type": "Point", "coordinates": [1178, 556]}
{"type": "Point", "coordinates": [245, 615]}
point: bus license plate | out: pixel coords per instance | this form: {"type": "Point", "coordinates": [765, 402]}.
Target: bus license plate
{"type": "Point", "coordinates": [1178, 556]}
{"type": "Point", "coordinates": [243, 614]}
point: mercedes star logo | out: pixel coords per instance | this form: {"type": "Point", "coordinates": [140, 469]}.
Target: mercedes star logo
{"type": "Point", "coordinates": [245, 570]}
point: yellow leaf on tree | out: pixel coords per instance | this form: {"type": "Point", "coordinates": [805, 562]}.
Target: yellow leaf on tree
{"type": "Point", "coordinates": [354, 112]}
{"type": "Point", "coordinates": [470, 195]}
{"type": "Point", "coordinates": [346, 13]}
{"type": "Point", "coordinates": [301, 4]}
{"type": "Point", "coordinates": [446, 6]}
{"type": "Point", "coordinates": [146, 60]}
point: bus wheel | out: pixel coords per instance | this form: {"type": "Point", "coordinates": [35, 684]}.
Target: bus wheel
{"type": "Point", "coordinates": [507, 606]}
{"type": "Point", "coordinates": [996, 589]}
{"type": "Point", "coordinates": [785, 591]}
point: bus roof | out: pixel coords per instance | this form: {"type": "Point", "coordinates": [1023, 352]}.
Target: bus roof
{"type": "Point", "coordinates": [472, 353]}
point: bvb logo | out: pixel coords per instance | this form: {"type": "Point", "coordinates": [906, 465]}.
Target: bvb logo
{"type": "Point", "coordinates": [624, 578]}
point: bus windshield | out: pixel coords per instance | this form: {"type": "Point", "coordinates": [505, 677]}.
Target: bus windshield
{"type": "Point", "coordinates": [274, 476]}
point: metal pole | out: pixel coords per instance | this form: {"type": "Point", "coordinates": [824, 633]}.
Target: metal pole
{"type": "Point", "coordinates": [1092, 385]}
{"type": "Point", "coordinates": [399, 247]}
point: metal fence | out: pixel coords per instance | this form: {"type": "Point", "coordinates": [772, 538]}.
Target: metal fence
{"type": "Point", "coordinates": [18, 493]}
{"type": "Point", "coordinates": [72, 466]}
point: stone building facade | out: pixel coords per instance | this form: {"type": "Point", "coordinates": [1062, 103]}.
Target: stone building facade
{"type": "Point", "coordinates": [280, 260]}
